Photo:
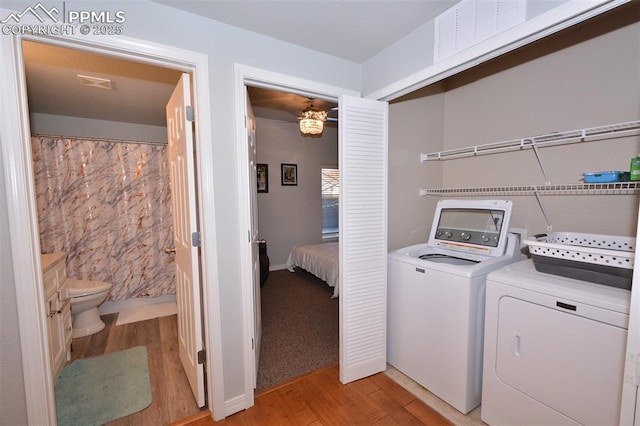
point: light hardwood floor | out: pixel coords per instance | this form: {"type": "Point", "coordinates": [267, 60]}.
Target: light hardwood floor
{"type": "Point", "coordinates": [319, 398]}
{"type": "Point", "coordinates": [171, 394]}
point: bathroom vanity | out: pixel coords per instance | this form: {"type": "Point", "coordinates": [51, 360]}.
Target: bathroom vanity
{"type": "Point", "coordinates": [58, 309]}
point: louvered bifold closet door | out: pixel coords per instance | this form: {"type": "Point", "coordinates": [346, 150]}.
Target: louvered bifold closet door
{"type": "Point", "coordinates": [363, 237]}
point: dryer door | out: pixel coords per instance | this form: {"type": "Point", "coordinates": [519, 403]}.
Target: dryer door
{"type": "Point", "coordinates": [570, 363]}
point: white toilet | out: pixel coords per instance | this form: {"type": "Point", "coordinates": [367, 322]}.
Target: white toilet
{"type": "Point", "coordinates": [86, 296]}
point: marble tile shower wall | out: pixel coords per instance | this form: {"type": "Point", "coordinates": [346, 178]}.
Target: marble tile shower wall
{"type": "Point", "coordinates": [108, 206]}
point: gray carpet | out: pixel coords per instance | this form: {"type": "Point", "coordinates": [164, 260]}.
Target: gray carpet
{"type": "Point", "coordinates": [299, 327]}
{"type": "Point", "coordinates": [94, 391]}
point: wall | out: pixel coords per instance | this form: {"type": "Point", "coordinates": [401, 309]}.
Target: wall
{"type": "Point", "coordinates": [107, 205]}
{"type": "Point", "coordinates": [225, 46]}
{"type": "Point", "coordinates": [416, 125]}
{"type": "Point", "coordinates": [413, 55]}
{"type": "Point", "coordinates": [87, 127]}
{"type": "Point", "coordinates": [585, 77]}
{"type": "Point", "coordinates": [292, 215]}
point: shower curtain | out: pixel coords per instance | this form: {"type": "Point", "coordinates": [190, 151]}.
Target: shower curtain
{"type": "Point", "coordinates": [107, 204]}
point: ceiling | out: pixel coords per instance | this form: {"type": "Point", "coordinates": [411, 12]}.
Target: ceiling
{"type": "Point", "coordinates": [139, 91]}
{"type": "Point", "coordinates": [138, 94]}
{"type": "Point", "coordinates": [353, 30]}
{"type": "Point", "coordinates": [286, 107]}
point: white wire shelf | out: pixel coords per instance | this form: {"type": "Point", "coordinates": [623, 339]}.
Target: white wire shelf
{"type": "Point", "coordinates": [615, 188]}
{"type": "Point", "coordinates": [631, 128]}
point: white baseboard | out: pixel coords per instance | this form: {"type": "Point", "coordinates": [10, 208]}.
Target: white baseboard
{"type": "Point", "coordinates": [113, 307]}
{"type": "Point", "coordinates": [234, 405]}
{"type": "Point", "coordinates": [277, 267]}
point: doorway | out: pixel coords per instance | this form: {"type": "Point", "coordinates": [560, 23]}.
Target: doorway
{"type": "Point", "coordinates": [118, 208]}
{"type": "Point", "coordinates": [362, 150]}
{"type": "Point", "coordinates": [299, 315]}
{"type": "Point", "coordinates": [94, 168]}
{"type": "Point", "coordinates": [23, 218]}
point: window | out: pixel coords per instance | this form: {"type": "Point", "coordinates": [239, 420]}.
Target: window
{"type": "Point", "coordinates": [330, 201]}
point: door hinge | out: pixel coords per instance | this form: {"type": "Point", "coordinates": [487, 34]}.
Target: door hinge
{"type": "Point", "coordinates": [202, 356]}
{"type": "Point", "coordinates": [253, 344]}
{"type": "Point", "coordinates": [632, 369]}
{"type": "Point", "coordinates": [191, 116]}
{"type": "Point", "coordinates": [195, 239]}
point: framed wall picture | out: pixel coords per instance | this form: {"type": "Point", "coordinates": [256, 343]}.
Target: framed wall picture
{"type": "Point", "coordinates": [289, 174]}
{"type": "Point", "coordinates": [263, 177]}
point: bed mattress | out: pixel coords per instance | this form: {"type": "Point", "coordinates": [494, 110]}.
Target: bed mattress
{"type": "Point", "coordinates": [319, 259]}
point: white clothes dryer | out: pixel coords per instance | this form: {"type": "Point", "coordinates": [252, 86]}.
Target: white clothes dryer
{"type": "Point", "coordinates": [554, 349]}
{"type": "Point", "coordinates": [435, 313]}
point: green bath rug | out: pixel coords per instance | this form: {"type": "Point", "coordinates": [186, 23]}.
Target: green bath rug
{"type": "Point", "coordinates": [98, 390]}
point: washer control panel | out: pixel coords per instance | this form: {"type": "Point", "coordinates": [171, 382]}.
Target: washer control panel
{"type": "Point", "coordinates": [483, 238]}
{"type": "Point", "coordinates": [471, 226]}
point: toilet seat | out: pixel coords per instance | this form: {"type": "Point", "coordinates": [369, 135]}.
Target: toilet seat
{"type": "Point", "coordinates": [78, 288]}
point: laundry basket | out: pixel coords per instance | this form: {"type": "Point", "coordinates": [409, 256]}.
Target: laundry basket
{"type": "Point", "coordinates": [601, 259]}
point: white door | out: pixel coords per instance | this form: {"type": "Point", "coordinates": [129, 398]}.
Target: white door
{"type": "Point", "coordinates": [363, 237]}
{"type": "Point", "coordinates": [183, 196]}
{"type": "Point", "coordinates": [255, 252]}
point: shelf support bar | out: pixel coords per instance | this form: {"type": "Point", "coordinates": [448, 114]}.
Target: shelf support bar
{"type": "Point", "coordinates": [620, 130]}
{"type": "Point", "coordinates": [544, 172]}
{"type": "Point", "coordinates": [544, 212]}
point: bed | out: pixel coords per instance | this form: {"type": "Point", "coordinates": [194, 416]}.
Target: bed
{"type": "Point", "coordinates": [319, 259]}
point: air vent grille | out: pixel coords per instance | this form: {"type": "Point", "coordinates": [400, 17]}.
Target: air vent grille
{"type": "Point", "coordinates": [97, 82]}
{"type": "Point", "coordinates": [473, 21]}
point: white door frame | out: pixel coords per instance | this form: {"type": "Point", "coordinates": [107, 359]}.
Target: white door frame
{"type": "Point", "coordinates": [23, 219]}
{"type": "Point", "coordinates": [249, 76]}
{"type": "Point", "coordinates": [630, 406]}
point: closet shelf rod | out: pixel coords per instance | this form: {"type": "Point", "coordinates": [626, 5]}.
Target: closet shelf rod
{"type": "Point", "coordinates": [614, 188]}
{"type": "Point", "coordinates": [96, 139]}
{"type": "Point", "coordinates": [611, 131]}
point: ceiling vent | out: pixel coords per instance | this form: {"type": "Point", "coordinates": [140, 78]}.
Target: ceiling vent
{"type": "Point", "coordinates": [99, 83]}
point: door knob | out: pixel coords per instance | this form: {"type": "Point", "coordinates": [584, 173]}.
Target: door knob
{"type": "Point", "coordinates": [170, 250]}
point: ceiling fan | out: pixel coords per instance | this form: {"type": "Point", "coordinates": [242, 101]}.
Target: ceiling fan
{"type": "Point", "coordinates": [312, 119]}
{"type": "Point", "coordinates": [289, 107]}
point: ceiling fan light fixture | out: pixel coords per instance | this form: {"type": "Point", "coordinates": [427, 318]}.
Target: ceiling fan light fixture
{"type": "Point", "coordinates": [312, 121]}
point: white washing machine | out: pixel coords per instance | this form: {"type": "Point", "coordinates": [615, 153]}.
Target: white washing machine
{"type": "Point", "coordinates": [435, 311]}
{"type": "Point", "coordinates": [554, 349]}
